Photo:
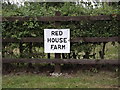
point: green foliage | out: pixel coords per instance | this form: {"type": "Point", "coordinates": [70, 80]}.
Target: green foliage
{"type": "Point", "coordinates": [78, 29]}
{"type": "Point", "coordinates": [48, 9]}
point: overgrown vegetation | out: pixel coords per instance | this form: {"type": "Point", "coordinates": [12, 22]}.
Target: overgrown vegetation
{"type": "Point", "coordinates": [66, 9]}
{"type": "Point", "coordinates": [79, 50]}
{"type": "Point", "coordinates": [78, 29]}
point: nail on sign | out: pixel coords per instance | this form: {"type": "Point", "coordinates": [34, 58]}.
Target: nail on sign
{"type": "Point", "coordinates": [57, 40]}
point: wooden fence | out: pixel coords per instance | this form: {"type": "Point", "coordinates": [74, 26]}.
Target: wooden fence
{"type": "Point", "coordinates": [57, 19]}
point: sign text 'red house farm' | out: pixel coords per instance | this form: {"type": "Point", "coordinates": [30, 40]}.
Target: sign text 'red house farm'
{"type": "Point", "coordinates": [57, 40]}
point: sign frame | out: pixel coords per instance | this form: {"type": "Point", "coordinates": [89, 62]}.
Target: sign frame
{"type": "Point", "coordinates": [56, 40]}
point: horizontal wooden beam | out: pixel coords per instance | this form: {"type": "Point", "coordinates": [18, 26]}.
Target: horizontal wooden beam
{"type": "Point", "coordinates": [28, 39]}
{"type": "Point", "coordinates": [79, 39]}
{"type": "Point", "coordinates": [60, 18]}
{"type": "Point", "coordinates": [61, 61]}
{"type": "Point", "coordinates": [95, 39]}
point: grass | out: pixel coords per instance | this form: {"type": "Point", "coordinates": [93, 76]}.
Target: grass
{"type": "Point", "coordinates": [112, 51]}
{"type": "Point", "coordinates": [81, 80]}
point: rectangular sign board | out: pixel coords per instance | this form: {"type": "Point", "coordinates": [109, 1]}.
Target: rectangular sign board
{"type": "Point", "coordinates": [57, 40]}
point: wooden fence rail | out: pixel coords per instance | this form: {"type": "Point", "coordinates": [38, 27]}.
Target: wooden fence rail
{"type": "Point", "coordinates": [62, 18]}
{"type": "Point", "coordinates": [79, 39]}
{"type": "Point", "coordinates": [61, 61]}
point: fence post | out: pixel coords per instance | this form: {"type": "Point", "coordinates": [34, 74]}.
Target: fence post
{"type": "Point", "coordinates": [63, 56]}
{"type": "Point", "coordinates": [48, 55]}
{"type": "Point", "coordinates": [21, 52]}
{"type": "Point", "coordinates": [57, 66]}
{"type": "Point", "coordinates": [57, 55]}
{"type": "Point", "coordinates": [3, 51]}
{"type": "Point", "coordinates": [30, 52]}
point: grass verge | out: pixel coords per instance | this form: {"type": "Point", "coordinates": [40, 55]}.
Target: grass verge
{"type": "Point", "coordinates": [80, 80]}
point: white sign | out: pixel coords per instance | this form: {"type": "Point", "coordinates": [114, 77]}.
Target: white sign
{"type": "Point", "coordinates": [57, 40]}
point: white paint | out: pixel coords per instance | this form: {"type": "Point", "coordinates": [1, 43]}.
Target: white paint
{"type": "Point", "coordinates": [63, 45]}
